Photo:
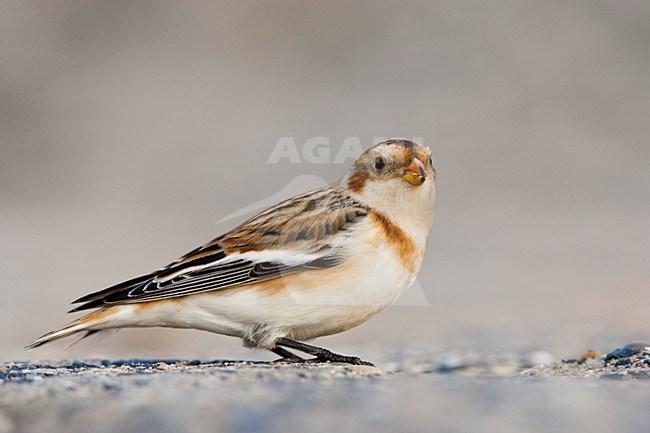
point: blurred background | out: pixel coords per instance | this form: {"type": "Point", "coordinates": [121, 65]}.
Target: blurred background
{"type": "Point", "coordinates": [128, 128]}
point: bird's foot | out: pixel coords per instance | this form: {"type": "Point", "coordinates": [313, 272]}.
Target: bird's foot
{"type": "Point", "coordinates": [320, 354]}
{"type": "Point", "coordinates": [353, 360]}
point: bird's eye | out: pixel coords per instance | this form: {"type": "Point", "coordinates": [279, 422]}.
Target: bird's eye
{"type": "Point", "coordinates": [430, 161]}
{"type": "Point", "coordinates": [379, 163]}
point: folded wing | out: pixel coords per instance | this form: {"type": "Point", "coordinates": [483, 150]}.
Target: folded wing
{"type": "Point", "coordinates": [301, 234]}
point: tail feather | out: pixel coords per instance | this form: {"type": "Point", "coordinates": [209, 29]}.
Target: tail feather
{"type": "Point", "coordinates": [91, 323]}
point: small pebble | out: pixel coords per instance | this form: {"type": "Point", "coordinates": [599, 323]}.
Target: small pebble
{"type": "Point", "coordinates": [627, 351]}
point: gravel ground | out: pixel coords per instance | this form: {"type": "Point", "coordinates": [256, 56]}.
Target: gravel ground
{"type": "Point", "coordinates": [504, 393]}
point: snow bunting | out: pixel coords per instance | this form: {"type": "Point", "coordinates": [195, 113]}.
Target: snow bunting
{"type": "Point", "coordinates": [316, 264]}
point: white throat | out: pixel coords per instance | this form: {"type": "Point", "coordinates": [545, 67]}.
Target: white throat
{"type": "Point", "coordinates": [411, 208]}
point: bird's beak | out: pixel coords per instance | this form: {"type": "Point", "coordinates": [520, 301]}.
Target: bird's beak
{"type": "Point", "coordinates": [415, 173]}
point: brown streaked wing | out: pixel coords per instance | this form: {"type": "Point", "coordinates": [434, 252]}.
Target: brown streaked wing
{"type": "Point", "coordinates": [306, 224]}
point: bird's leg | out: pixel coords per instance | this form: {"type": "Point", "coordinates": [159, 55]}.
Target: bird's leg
{"type": "Point", "coordinates": [286, 355]}
{"type": "Point", "coordinates": [322, 355]}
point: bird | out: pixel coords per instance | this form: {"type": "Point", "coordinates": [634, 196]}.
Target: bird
{"type": "Point", "coordinates": [313, 265]}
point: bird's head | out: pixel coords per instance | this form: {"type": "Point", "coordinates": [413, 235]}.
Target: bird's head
{"type": "Point", "coordinates": [396, 177]}
{"type": "Point", "coordinates": [401, 162]}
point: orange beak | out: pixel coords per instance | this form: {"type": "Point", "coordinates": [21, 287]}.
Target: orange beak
{"type": "Point", "coordinates": [415, 173]}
